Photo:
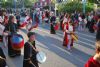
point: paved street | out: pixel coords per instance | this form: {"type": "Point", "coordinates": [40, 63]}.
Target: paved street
{"type": "Point", "coordinates": [57, 55]}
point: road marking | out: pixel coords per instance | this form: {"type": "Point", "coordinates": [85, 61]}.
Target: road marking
{"type": "Point", "coordinates": [86, 35]}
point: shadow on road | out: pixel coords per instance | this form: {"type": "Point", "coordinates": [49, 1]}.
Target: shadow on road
{"type": "Point", "coordinates": [76, 57]}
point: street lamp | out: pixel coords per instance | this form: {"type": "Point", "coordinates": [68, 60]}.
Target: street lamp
{"type": "Point", "coordinates": [23, 4]}
{"type": "Point", "coordinates": [15, 4]}
{"type": "Point", "coordinates": [50, 5]}
{"type": "Point", "coordinates": [84, 4]}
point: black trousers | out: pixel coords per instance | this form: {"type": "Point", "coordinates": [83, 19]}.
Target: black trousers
{"type": "Point", "coordinates": [98, 35]}
{"type": "Point", "coordinates": [91, 30]}
{"type": "Point", "coordinates": [88, 24]}
{"type": "Point", "coordinates": [2, 59]}
{"type": "Point", "coordinates": [2, 63]}
{"type": "Point", "coordinates": [52, 31]}
{"type": "Point", "coordinates": [26, 63]}
{"type": "Point", "coordinates": [61, 25]}
{"type": "Point", "coordinates": [34, 61]}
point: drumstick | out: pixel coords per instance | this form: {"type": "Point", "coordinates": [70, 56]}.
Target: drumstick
{"type": "Point", "coordinates": [2, 58]}
{"type": "Point", "coordinates": [32, 63]}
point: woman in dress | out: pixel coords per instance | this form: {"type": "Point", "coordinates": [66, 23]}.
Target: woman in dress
{"type": "Point", "coordinates": [68, 30]}
{"type": "Point", "coordinates": [11, 28]}
{"type": "Point", "coordinates": [52, 22]}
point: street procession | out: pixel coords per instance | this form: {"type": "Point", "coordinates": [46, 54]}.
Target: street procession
{"type": "Point", "coordinates": [49, 33]}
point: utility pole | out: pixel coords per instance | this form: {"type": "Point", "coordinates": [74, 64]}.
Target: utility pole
{"type": "Point", "coordinates": [15, 4]}
{"type": "Point", "coordinates": [23, 4]}
{"type": "Point", "coordinates": [84, 5]}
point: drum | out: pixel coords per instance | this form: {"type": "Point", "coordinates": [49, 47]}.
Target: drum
{"type": "Point", "coordinates": [56, 27]}
{"type": "Point", "coordinates": [74, 36]}
{"type": "Point", "coordinates": [41, 57]}
{"type": "Point", "coordinates": [22, 22]}
{"type": "Point", "coordinates": [17, 42]}
{"type": "Point", "coordinates": [31, 27]}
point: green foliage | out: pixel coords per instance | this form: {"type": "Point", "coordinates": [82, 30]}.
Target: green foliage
{"type": "Point", "coordinates": [10, 3]}
{"type": "Point", "coordinates": [6, 4]}
{"type": "Point", "coordinates": [74, 6]}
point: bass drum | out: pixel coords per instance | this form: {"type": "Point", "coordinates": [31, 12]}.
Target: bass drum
{"type": "Point", "coordinates": [41, 57]}
{"type": "Point", "coordinates": [17, 41]}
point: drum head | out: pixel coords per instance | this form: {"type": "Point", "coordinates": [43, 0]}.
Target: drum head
{"type": "Point", "coordinates": [41, 57]}
{"type": "Point", "coordinates": [17, 42]}
{"type": "Point", "coordinates": [22, 19]}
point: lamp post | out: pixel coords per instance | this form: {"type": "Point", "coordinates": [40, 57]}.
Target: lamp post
{"type": "Point", "coordinates": [49, 5]}
{"type": "Point", "coordinates": [23, 4]}
{"type": "Point", "coordinates": [15, 4]}
{"type": "Point", "coordinates": [56, 4]}
{"type": "Point", "coordinates": [84, 4]}
{"type": "Point", "coordinates": [5, 2]}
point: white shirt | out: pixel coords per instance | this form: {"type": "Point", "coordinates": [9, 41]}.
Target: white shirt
{"type": "Point", "coordinates": [70, 29]}
{"type": "Point", "coordinates": [65, 20]}
{"type": "Point", "coordinates": [1, 19]}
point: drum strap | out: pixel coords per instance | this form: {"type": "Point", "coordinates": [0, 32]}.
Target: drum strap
{"type": "Point", "coordinates": [32, 64]}
{"type": "Point", "coordinates": [31, 46]}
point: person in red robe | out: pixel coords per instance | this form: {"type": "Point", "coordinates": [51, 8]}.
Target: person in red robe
{"type": "Point", "coordinates": [5, 17]}
{"type": "Point", "coordinates": [95, 60]}
{"type": "Point", "coordinates": [68, 29]}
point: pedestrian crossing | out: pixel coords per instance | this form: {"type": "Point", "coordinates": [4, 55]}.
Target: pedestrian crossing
{"type": "Point", "coordinates": [86, 42]}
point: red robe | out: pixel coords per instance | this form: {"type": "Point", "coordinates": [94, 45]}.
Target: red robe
{"type": "Point", "coordinates": [5, 20]}
{"type": "Point", "coordinates": [92, 63]}
{"type": "Point", "coordinates": [65, 41]}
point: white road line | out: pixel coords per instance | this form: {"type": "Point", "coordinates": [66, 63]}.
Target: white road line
{"type": "Point", "coordinates": [86, 35]}
{"type": "Point", "coordinates": [86, 39]}
{"type": "Point", "coordinates": [78, 40]}
{"type": "Point", "coordinates": [92, 45]}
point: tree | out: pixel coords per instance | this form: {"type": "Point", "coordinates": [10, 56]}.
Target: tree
{"type": "Point", "coordinates": [19, 3]}
{"type": "Point", "coordinates": [94, 1]}
{"type": "Point", "coordinates": [71, 7]}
